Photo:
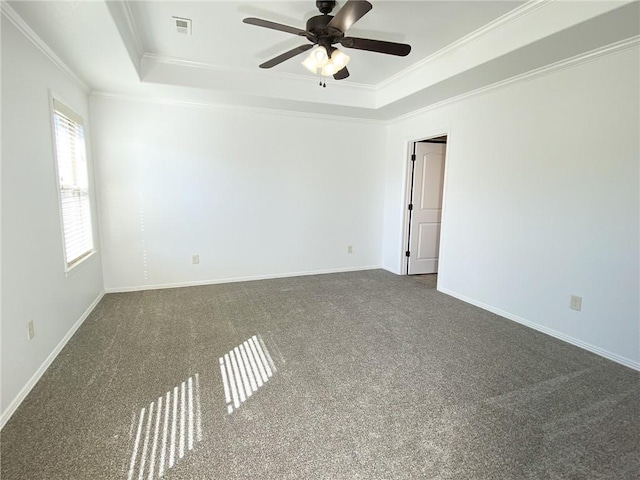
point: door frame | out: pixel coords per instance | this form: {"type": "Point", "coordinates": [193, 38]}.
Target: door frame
{"type": "Point", "coordinates": [408, 146]}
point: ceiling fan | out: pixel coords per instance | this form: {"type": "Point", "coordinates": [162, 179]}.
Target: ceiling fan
{"type": "Point", "coordinates": [323, 32]}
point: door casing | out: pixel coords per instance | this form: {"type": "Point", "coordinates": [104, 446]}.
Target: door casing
{"type": "Point", "coordinates": [408, 150]}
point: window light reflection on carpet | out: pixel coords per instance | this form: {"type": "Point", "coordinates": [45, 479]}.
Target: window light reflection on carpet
{"type": "Point", "coordinates": [244, 370]}
{"type": "Point", "coordinates": [166, 429]}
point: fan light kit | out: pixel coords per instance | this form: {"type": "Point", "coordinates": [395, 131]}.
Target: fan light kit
{"type": "Point", "coordinates": [329, 65]}
{"type": "Point", "coordinates": [324, 31]}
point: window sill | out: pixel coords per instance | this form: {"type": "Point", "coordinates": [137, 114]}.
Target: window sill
{"type": "Point", "coordinates": [71, 269]}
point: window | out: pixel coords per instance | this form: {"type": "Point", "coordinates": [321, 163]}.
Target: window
{"type": "Point", "coordinates": [73, 183]}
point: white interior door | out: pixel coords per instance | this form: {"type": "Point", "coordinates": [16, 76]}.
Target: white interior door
{"type": "Point", "coordinates": [428, 182]}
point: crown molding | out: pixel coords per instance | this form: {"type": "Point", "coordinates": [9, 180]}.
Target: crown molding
{"type": "Point", "coordinates": [538, 72]}
{"type": "Point", "coordinates": [133, 29]}
{"type": "Point", "coordinates": [157, 100]}
{"type": "Point", "coordinates": [180, 62]}
{"type": "Point", "coordinates": [22, 26]}
{"type": "Point", "coordinates": [500, 22]}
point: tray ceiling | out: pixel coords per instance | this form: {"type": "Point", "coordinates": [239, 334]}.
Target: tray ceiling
{"type": "Point", "coordinates": [133, 49]}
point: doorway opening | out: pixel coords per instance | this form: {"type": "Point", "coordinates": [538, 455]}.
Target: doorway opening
{"type": "Point", "coordinates": [425, 194]}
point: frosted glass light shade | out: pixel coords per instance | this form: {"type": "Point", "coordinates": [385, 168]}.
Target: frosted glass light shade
{"type": "Point", "coordinates": [329, 69]}
{"type": "Point", "coordinates": [320, 56]}
{"type": "Point", "coordinates": [339, 59]}
{"type": "Point", "coordinates": [310, 64]}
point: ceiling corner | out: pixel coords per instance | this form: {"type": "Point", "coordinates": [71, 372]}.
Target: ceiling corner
{"type": "Point", "coordinates": [126, 25]}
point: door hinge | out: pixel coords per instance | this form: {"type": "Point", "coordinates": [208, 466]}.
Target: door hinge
{"type": "Point", "coordinates": [413, 157]}
{"type": "Point", "coordinates": [407, 253]}
{"type": "Point", "coordinates": [410, 206]}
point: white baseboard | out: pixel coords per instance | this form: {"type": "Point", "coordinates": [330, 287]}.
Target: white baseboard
{"type": "Point", "coordinates": [10, 410]}
{"type": "Point", "coordinates": [138, 288]}
{"type": "Point", "coordinates": [549, 331]}
{"type": "Point", "coordinates": [391, 270]}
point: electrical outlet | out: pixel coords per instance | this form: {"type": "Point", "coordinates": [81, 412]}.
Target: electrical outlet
{"type": "Point", "coordinates": [576, 303]}
{"type": "Point", "coordinates": [195, 259]}
{"type": "Point", "coordinates": [350, 249]}
{"type": "Point", "coordinates": [30, 331]}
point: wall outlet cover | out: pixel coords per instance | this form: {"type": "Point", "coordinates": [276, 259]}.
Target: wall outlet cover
{"type": "Point", "coordinates": [30, 330]}
{"type": "Point", "coordinates": [575, 303]}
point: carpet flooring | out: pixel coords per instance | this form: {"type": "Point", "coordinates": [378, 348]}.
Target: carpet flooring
{"type": "Point", "coordinates": [363, 375]}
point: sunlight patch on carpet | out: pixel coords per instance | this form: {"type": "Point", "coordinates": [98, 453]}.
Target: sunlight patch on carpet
{"type": "Point", "coordinates": [245, 369]}
{"type": "Point", "coordinates": [166, 429]}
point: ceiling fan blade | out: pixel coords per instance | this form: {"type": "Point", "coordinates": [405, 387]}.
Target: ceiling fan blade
{"type": "Point", "coordinates": [350, 13]}
{"type": "Point", "coordinates": [342, 74]}
{"type": "Point", "coordinates": [380, 46]}
{"type": "Point", "coordinates": [275, 26]}
{"type": "Point", "coordinates": [286, 56]}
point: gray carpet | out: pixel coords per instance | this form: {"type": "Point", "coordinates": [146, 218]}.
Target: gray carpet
{"type": "Point", "coordinates": [372, 376]}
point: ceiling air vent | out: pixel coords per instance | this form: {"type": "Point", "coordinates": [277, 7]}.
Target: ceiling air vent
{"type": "Point", "coordinates": [183, 25]}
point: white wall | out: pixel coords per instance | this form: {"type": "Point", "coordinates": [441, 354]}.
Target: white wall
{"type": "Point", "coordinates": [34, 286]}
{"type": "Point", "coordinates": [541, 201]}
{"type": "Point", "coordinates": [253, 193]}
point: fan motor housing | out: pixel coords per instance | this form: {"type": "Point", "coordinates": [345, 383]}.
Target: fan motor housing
{"type": "Point", "coordinates": [325, 6]}
{"type": "Point", "coordinates": [318, 27]}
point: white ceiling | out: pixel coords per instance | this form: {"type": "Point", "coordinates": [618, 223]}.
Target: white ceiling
{"type": "Point", "coordinates": [132, 48]}
{"type": "Point", "coordinates": [221, 39]}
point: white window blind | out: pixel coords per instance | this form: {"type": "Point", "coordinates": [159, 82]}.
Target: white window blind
{"type": "Point", "coordinates": [73, 182]}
